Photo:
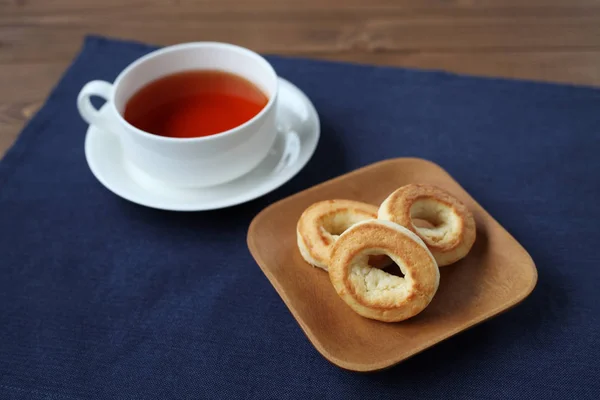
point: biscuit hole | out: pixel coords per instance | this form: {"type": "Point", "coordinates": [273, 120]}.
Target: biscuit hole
{"type": "Point", "coordinates": [427, 214]}
{"type": "Point", "coordinates": [379, 261]}
{"type": "Point", "coordinates": [394, 269]}
{"type": "Point", "coordinates": [386, 264]}
{"type": "Point", "coordinates": [422, 223]}
{"type": "Point", "coordinates": [337, 223]}
{"type": "Point", "coordinates": [337, 230]}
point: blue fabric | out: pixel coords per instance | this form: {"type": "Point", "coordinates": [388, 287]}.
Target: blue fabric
{"type": "Point", "coordinates": [101, 298]}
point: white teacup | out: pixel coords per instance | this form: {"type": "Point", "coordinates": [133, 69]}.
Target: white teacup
{"type": "Point", "coordinates": [188, 162]}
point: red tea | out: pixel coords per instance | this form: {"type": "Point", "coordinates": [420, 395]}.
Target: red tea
{"type": "Point", "coordinates": [194, 103]}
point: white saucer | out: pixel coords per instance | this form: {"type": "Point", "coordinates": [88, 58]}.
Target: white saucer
{"type": "Point", "coordinates": [290, 153]}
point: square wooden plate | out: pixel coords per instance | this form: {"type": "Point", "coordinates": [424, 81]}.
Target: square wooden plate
{"type": "Point", "coordinates": [497, 274]}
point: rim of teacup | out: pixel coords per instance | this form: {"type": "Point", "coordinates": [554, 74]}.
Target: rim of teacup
{"type": "Point", "coordinates": [176, 47]}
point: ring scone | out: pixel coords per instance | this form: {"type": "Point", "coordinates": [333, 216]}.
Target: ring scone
{"type": "Point", "coordinates": [372, 292]}
{"type": "Point", "coordinates": [454, 230]}
{"type": "Point", "coordinates": [320, 224]}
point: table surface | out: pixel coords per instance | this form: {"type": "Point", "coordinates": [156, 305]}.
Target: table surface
{"type": "Point", "coordinates": [549, 40]}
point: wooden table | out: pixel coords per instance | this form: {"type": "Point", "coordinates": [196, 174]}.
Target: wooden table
{"type": "Point", "coordinates": [551, 40]}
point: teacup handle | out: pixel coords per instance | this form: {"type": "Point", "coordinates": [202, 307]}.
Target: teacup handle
{"type": "Point", "coordinates": [87, 110]}
{"type": "Point", "coordinates": [291, 149]}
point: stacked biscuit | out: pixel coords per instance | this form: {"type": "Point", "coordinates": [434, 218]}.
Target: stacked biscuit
{"type": "Point", "coordinates": [353, 241]}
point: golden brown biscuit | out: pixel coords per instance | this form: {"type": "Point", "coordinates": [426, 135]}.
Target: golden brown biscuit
{"type": "Point", "coordinates": [453, 228]}
{"type": "Point", "coordinates": [372, 292]}
{"type": "Point", "coordinates": [320, 225]}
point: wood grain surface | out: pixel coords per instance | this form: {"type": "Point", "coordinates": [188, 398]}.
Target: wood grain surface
{"type": "Point", "coordinates": [550, 40]}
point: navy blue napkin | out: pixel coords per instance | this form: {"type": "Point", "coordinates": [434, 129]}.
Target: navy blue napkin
{"type": "Point", "coordinates": [104, 299]}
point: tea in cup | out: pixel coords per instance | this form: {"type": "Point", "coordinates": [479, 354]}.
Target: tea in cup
{"type": "Point", "coordinates": [190, 115]}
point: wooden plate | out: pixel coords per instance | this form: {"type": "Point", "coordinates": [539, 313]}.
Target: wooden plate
{"type": "Point", "coordinates": [497, 274]}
